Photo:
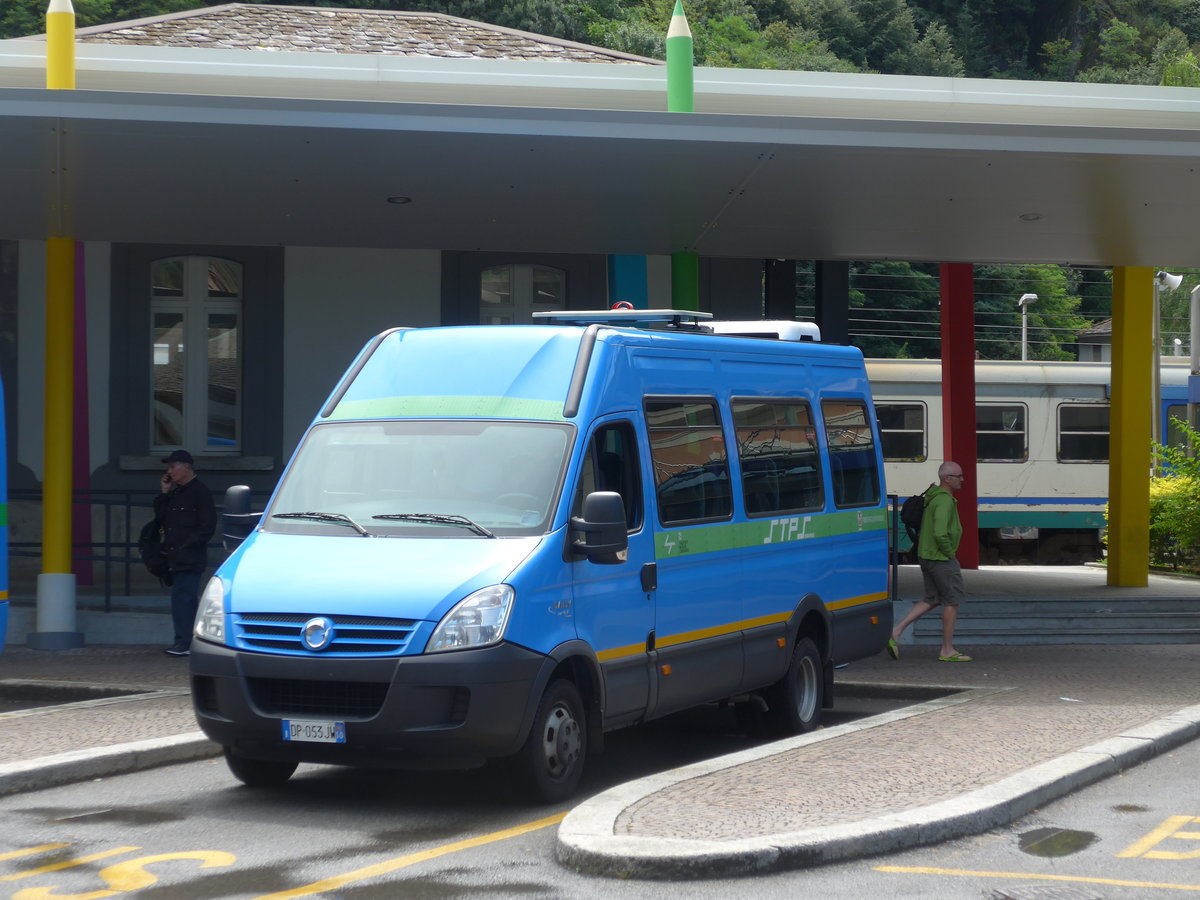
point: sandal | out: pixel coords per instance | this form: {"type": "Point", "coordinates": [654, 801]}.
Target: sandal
{"type": "Point", "coordinates": [893, 649]}
{"type": "Point", "coordinates": [957, 657]}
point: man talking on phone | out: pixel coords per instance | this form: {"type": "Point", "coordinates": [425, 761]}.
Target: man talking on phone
{"type": "Point", "coordinates": [185, 508]}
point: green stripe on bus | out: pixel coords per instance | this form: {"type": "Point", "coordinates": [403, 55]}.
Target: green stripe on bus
{"type": "Point", "coordinates": [3, 515]}
{"type": "Point", "coordinates": [784, 530]}
{"type": "Point", "coordinates": [452, 406]}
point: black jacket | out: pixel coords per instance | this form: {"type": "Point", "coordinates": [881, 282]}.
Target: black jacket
{"type": "Point", "coordinates": [189, 520]}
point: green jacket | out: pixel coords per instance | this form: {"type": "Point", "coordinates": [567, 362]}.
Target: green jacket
{"type": "Point", "coordinates": [940, 528]}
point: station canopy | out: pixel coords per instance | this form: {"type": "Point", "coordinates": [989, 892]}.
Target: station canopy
{"type": "Point", "coordinates": [220, 146]}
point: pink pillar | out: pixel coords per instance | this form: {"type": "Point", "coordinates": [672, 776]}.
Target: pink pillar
{"type": "Point", "coordinates": [958, 397]}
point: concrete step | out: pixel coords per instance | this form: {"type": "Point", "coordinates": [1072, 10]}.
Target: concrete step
{"type": "Point", "coordinates": [1157, 620]}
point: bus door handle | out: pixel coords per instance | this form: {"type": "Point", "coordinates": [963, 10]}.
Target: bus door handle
{"type": "Point", "coordinates": [649, 577]}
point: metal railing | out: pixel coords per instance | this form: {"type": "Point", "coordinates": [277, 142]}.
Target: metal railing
{"type": "Point", "coordinates": [114, 552]}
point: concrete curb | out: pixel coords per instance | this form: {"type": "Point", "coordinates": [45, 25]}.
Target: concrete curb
{"type": "Point", "coordinates": [82, 765]}
{"type": "Point", "coordinates": [587, 841]}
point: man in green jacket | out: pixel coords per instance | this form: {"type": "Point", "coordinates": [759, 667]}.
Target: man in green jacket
{"type": "Point", "coordinates": [936, 549]}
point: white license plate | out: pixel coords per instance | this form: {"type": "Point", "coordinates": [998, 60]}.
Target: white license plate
{"type": "Point", "coordinates": [313, 731]}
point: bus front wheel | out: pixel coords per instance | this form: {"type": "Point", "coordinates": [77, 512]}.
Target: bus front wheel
{"type": "Point", "coordinates": [258, 772]}
{"type": "Point", "coordinates": [551, 761]}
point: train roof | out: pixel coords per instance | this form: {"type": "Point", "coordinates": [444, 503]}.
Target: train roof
{"type": "Point", "coordinates": [1012, 371]}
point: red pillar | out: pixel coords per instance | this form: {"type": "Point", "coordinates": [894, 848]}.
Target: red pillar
{"type": "Point", "coordinates": [958, 397]}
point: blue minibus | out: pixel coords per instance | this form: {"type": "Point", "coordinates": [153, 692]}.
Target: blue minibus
{"type": "Point", "coordinates": [502, 542]}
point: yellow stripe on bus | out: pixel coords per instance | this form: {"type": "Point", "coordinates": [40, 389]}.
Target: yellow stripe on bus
{"type": "Point", "coordinates": [857, 601]}
{"type": "Point", "coordinates": [700, 634]}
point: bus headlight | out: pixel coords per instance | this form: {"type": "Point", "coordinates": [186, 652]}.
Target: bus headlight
{"type": "Point", "coordinates": [210, 620]}
{"type": "Point", "coordinates": [476, 621]}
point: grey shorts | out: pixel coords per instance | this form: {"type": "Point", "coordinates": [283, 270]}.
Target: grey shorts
{"type": "Point", "coordinates": [943, 582]}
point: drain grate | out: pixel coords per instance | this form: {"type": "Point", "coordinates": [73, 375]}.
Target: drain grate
{"type": "Point", "coordinates": [1045, 892]}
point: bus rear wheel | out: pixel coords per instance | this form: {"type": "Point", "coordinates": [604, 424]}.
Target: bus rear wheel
{"type": "Point", "coordinates": [551, 762]}
{"type": "Point", "coordinates": [793, 704]}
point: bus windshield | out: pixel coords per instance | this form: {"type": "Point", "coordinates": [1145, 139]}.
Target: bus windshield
{"type": "Point", "coordinates": [468, 479]}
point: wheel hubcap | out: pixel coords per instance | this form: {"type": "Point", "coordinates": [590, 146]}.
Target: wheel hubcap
{"type": "Point", "coordinates": [560, 741]}
{"type": "Point", "coordinates": [806, 689]}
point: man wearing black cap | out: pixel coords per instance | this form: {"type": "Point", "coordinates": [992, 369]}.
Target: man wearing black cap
{"type": "Point", "coordinates": [189, 520]}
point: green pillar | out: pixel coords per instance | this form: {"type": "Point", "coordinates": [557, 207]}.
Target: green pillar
{"type": "Point", "coordinates": [685, 266]}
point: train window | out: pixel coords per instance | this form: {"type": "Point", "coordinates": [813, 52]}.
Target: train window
{"type": "Point", "coordinates": [902, 431]}
{"type": "Point", "coordinates": [853, 461]}
{"type": "Point", "coordinates": [1000, 433]}
{"type": "Point", "coordinates": [1175, 435]}
{"type": "Point", "coordinates": [1082, 433]}
{"type": "Point", "coordinates": [691, 467]}
{"type": "Point", "coordinates": [777, 448]}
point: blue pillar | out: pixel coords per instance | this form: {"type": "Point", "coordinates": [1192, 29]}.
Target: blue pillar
{"type": "Point", "coordinates": [627, 280]}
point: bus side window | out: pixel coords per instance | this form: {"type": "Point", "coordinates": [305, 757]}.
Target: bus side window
{"type": "Point", "coordinates": [691, 466]}
{"type": "Point", "coordinates": [777, 451]}
{"type": "Point", "coordinates": [611, 464]}
{"type": "Point", "coordinates": [853, 458]}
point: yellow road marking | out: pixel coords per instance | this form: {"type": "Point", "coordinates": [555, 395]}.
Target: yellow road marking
{"type": "Point", "coordinates": [30, 851]}
{"type": "Point", "coordinates": [1168, 829]}
{"type": "Point", "coordinates": [1115, 882]}
{"type": "Point", "coordinates": [67, 863]}
{"type": "Point", "coordinates": [400, 862]}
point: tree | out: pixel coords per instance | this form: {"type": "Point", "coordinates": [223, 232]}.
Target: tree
{"type": "Point", "coordinates": [24, 17]}
{"type": "Point", "coordinates": [934, 54]}
{"type": "Point", "coordinates": [1060, 60]}
{"type": "Point", "coordinates": [1054, 320]}
{"type": "Point", "coordinates": [894, 309]}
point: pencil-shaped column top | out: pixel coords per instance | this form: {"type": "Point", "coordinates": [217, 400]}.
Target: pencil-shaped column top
{"type": "Point", "coordinates": [680, 90]}
{"type": "Point", "coordinates": [60, 45]}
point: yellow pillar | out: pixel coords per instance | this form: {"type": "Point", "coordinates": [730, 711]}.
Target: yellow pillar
{"type": "Point", "coordinates": [56, 583]}
{"type": "Point", "coordinates": [60, 45]}
{"type": "Point", "coordinates": [1129, 428]}
{"type": "Point", "coordinates": [60, 404]}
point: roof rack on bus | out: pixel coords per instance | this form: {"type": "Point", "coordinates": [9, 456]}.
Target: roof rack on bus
{"type": "Point", "coordinates": [781, 329]}
{"type": "Point", "coordinates": [680, 318]}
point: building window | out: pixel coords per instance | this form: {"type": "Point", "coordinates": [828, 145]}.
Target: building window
{"type": "Point", "coordinates": [902, 431]}
{"type": "Point", "coordinates": [691, 466]}
{"type": "Point", "coordinates": [1000, 434]}
{"type": "Point", "coordinates": [196, 382]}
{"type": "Point", "coordinates": [777, 450]}
{"type": "Point", "coordinates": [853, 463]}
{"type": "Point", "coordinates": [1083, 433]}
{"type": "Point", "coordinates": [510, 294]}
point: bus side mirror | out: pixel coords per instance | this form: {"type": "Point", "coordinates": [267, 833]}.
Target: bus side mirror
{"type": "Point", "coordinates": [602, 526]}
{"type": "Point", "coordinates": [236, 520]}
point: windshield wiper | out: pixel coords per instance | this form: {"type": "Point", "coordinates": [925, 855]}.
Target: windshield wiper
{"type": "Point", "coordinates": [438, 519]}
{"type": "Point", "coordinates": [333, 518]}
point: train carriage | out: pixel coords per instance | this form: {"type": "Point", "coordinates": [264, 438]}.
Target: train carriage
{"type": "Point", "coordinates": [1042, 448]}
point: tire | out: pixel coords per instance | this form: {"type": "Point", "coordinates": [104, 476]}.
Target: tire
{"type": "Point", "coordinates": [793, 702]}
{"type": "Point", "coordinates": [551, 761]}
{"type": "Point", "coordinates": [259, 772]}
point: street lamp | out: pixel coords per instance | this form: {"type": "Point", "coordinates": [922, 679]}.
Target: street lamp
{"type": "Point", "coordinates": [1170, 282]}
{"type": "Point", "coordinates": [1023, 304]}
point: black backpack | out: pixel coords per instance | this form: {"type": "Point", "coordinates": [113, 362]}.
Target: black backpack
{"type": "Point", "coordinates": [911, 513]}
{"type": "Point", "coordinates": [150, 547]}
